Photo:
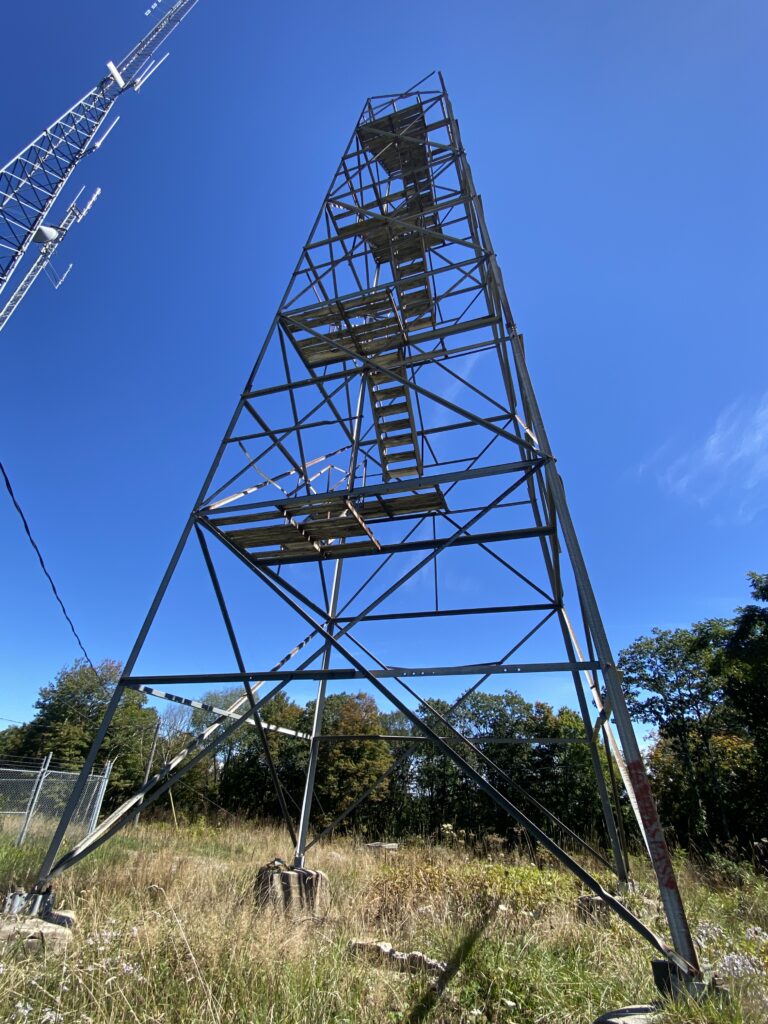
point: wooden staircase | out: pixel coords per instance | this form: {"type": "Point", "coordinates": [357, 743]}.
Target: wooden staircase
{"type": "Point", "coordinates": [395, 425]}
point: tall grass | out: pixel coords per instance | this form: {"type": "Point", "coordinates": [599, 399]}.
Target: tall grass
{"type": "Point", "coordinates": [167, 932]}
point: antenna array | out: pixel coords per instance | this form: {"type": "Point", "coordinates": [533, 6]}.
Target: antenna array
{"type": "Point", "coordinates": [33, 180]}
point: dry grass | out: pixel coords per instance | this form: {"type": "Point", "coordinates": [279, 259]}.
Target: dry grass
{"type": "Point", "coordinates": [167, 933]}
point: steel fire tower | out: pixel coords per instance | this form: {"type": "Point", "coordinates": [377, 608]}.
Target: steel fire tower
{"type": "Point", "coordinates": [387, 478]}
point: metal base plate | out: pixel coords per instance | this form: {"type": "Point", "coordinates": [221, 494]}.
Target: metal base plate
{"type": "Point", "coordinates": [630, 1015]}
{"type": "Point", "coordinates": [28, 904]}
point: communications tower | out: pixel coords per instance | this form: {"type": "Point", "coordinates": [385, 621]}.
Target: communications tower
{"type": "Point", "coordinates": [389, 433]}
{"type": "Point", "coordinates": [33, 180]}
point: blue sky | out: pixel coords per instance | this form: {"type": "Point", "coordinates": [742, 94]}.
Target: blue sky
{"type": "Point", "coordinates": [620, 150]}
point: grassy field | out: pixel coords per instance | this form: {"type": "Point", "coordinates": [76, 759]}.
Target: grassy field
{"type": "Point", "coordinates": [167, 933]}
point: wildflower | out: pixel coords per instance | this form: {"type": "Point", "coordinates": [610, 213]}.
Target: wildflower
{"type": "Point", "coordinates": [51, 1016]}
{"type": "Point", "coordinates": [132, 970]}
{"type": "Point", "coordinates": [754, 934]}
{"type": "Point", "coordinates": [710, 934]}
{"type": "Point", "coordinates": [739, 965]}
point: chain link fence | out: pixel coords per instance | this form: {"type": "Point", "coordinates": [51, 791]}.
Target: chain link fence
{"type": "Point", "coordinates": [33, 796]}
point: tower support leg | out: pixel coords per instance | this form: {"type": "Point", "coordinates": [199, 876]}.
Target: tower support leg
{"type": "Point", "coordinates": [619, 853]}
{"type": "Point", "coordinates": [317, 729]}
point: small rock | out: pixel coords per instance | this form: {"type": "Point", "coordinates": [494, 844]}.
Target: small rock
{"type": "Point", "coordinates": [383, 953]}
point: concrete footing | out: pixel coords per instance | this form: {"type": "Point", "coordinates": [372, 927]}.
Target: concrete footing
{"type": "Point", "coordinates": [51, 932]}
{"type": "Point", "coordinates": [290, 889]}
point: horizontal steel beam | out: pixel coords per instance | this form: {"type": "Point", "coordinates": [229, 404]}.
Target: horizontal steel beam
{"type": "Point", "coordinates": [551, 741]}
{"type": "Point", "coordinates": [363, 549]}
{"type": "Point", "coordinates": [447, 612]}
{"type": "Point", "coordinates": [416, 483]}
{"type": "Point", "coordinates": [416, 358]}
{"type": "Point", "coordinates": [492, 669]}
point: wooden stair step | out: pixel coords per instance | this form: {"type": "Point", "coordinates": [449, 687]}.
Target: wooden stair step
{"type": "Point", "coordinates": [383, 392]}
{"type": "Point", "coordinates": [396, 438]}
{"type": "Point", "coordinates": [403, 457]}
{"type": "Point", "coordinates": [405, 442]}
{"type": "Point", "coordinates": [387, 410]}
{"type": "Point", "coordinates": [394, 425]}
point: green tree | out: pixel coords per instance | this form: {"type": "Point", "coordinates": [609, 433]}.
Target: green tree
{"type": "Point", "coordinates": [195, 793]}
{"type": "Point", "coordinates": [69, 712]}
{"type": "Point", "coordinates": [670, 685]}
{"type": "Point", "coordinates": [347, 767]}
{"type": "Point", "coordinates": [11, 741]}
{"type": "Point", "coordinates": [558, 775]}
{"type": "Point", "coordinates": [742, 664]}
{"type": "Point", "coordinates": [704, 690]}
{"type": "Point", "coordinates": [246, 785]}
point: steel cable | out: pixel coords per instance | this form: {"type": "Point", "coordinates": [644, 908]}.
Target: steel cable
{"type": "Point", "coordinates": [43, 566]}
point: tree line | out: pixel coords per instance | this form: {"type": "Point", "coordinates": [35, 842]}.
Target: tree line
{"type": "Point", "coordinates": [701, 690]}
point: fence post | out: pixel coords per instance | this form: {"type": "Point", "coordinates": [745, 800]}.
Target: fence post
{"type": "Point", "coordinates": [86, 807]}
{"type": "Point", "coordinates": [100, 798]}
{"type": "Point", "coordinates": [34, 797]}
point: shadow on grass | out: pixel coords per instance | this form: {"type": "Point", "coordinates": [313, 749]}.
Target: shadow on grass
{"type": "Point", "coordinates": [421, 1010]}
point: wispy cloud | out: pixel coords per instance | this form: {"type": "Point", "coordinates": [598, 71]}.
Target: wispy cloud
{"type": "Point", "coordinates": [728, 470]}
{"type": "Point", "coordinates": [449, 387]}
{"type": "Point", "coordinates": [465, 369]}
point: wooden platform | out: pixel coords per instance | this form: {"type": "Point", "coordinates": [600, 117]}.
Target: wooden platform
{"type": "Point", "coordinates": [271, 535]}
{"type": "Point", "coordinates": [372, 325]}
{"type": "Point", "coordinates": [397, 140]}
{"type": "Point", "coordinates": [364, 323]}
{"type": "Point", "coordinates": [391, 226]}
